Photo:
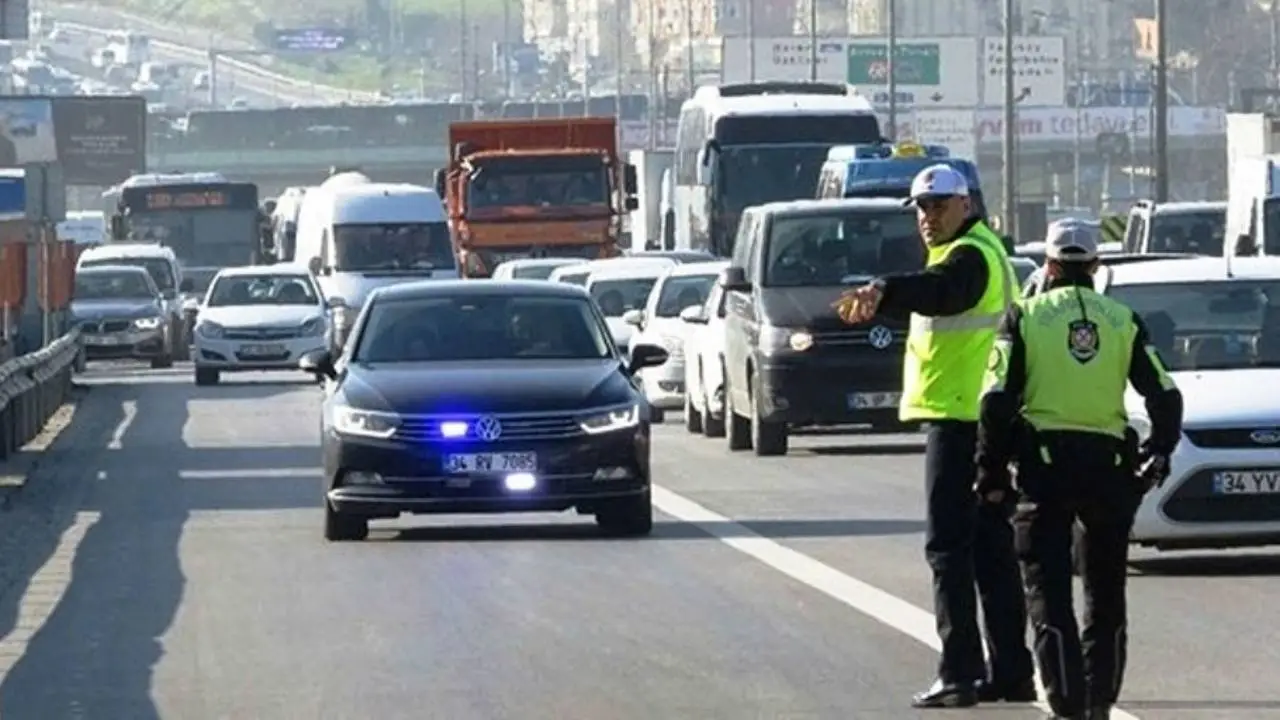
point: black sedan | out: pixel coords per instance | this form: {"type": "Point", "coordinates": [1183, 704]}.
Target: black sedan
{"type": "Point", "coordinates": [484, 397]}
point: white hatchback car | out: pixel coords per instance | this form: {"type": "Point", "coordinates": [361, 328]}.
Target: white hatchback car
{"type": "Point", "coordinates": [531, 268]}
{"type": "Point", "coordinates": [1217, 326]}
{"type": "Point", "coordinates": [704, 365]}
{"type": "Point", "coordinates": [263, 317]}
{"type": "Point", "coordinates": [661, 323]}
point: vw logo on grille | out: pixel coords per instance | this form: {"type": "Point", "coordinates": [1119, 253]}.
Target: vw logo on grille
{"type": "Point", "coordinates": [1265, 437]}
{"type": "Point", "coordinates": [488, 428]}
{"type": "Point", "coordinates": [880, 337]}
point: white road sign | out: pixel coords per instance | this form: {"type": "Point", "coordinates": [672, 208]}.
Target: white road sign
{"type": "Point", "coordinates": [1039, 76]}
{"type": "Point", "coordinates": [957, 129]}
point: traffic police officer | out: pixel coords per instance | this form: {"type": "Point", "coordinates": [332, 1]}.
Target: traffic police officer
{"type": "Point", "coordinates": [1054, 405]}
{"type": "Point", "coordinates": [955, 304]}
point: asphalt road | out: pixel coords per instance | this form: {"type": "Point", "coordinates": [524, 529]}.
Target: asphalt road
{"type": "Point", "coordinates": [166, 562]}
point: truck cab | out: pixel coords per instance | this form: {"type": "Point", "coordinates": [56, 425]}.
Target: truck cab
{"type": "Point", "coordinates": [535, 188]}
{"type": "Point", "coordinates": [1192, 228]}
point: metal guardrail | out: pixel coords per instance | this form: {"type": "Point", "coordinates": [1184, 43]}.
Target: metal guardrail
{"type": "Point", "coordinates": [32, 388]}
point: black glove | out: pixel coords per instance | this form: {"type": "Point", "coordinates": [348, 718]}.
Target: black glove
{"type": "Point", "coordinates": [992, 480]}
{"type": "Point", "coordinates": [1153, 469]}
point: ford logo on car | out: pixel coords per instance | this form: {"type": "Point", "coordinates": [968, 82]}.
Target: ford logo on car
{"type": "Point", "coordinates": [1265, 437]}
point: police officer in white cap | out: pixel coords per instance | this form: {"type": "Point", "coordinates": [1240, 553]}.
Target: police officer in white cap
{"type": "Point", "coordinates": [956, 303]}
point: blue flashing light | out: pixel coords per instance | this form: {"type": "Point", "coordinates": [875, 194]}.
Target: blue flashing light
{"type": "Point", "coordinates": [453, 429]}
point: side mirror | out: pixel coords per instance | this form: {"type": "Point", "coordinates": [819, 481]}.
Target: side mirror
{"type": "Point", "coordinates": [335, 302]}
{"type": "Point", "coordinates": [629, 179]}
{"type": "Point", "coordinates": [632, 203]}
{"type": "Point", "coordinates": [693, 314]}
{"type": "Point", "coordinates": [645, 355]}
{"type": "Point", "coordinates": [268, 207]}
{"type": "Point", "coordinates": [318, 363]}
{"type": "Point", "coordinates": [314, 265]}
{"type": "Point", "coordinates": [187, 285]}
{"type": "Point", "coordinates": [117, 227]}
{"type": "Point", "coordinates": [705, 170]}
{"type": "Point", "coordinates": [1245, 246]}
{"type": "Point", "coordinates": [439, 181]}
{"type": "Point", "coordinates": [633, 317]}
{"type": "Point", "coordinates": [734, 279]}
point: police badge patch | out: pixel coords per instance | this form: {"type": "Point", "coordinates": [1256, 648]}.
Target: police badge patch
{"type": "Point", "coordinates": [1082, 340]}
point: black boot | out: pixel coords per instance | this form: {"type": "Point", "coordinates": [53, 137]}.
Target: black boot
{"type": "Point", "coordinates": [946, 695]}
{"type": "Point", "coordinates": [1023, 692]}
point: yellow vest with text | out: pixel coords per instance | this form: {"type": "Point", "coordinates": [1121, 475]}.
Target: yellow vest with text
{"type": "Point", "coordinates": [1061, 392]}
{"type": "Point", "coordinates": [947, 356]}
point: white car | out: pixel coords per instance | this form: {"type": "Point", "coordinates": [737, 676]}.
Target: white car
{"type": "Point", "coordinates": [1216, 324]}
{"type": "Point", "coordinates": [578, 273]}
{"type": "Point", "coordinates": [531, 268]}
{"type": "Point", "coordinates": [258, 318]}
{"type": "Point", "coordinates": [704, 365]}
{"type": "Point", "coordinates": [619, 289]}
{"type": "Point", "coordinates": [660, 323]}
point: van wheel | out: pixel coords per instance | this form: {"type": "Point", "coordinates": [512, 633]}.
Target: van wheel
{"type": "Point", "coordinates": [767, 437]}
{"type": "Point", "coordinates": [692, 418]}
{"type": "Point", "coordinates": [737, 428]}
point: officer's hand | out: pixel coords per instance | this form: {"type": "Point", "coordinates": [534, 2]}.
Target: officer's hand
{"type": "Point", "coordinates": [1153, 471]}
{"type": "Point", "coordinates": [859, 304]}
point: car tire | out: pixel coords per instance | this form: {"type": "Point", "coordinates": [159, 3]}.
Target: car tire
{"type": "Point", "coordinates": [768, 438]}
{"type": "Point", "coordinates": [162, 362]}
{"type": "Point", "coordinates": [206, 376]}
{"type": "Point", "coordinates": [626, 517]}
{"type": "Point", "coordinates": [340, 527]}
{"type": "Point", "coordinates": [692, 418]}
{"type": "Point", "coordinates": [737, 428]}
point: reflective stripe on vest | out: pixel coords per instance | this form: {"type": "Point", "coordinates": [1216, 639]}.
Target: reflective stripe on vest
{"type": "Point", "coordinates": [972, 319]}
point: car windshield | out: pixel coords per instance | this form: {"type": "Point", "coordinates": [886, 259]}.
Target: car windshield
{"type": "Point", "coordinates": [392, 246]}
{"type": "Point", "coordinates": [1197, 233]}
{"type": "Point", "coordinates": [1210, 325]}
{"type": "Point", "coordinates": [157, 268]}
{"type": "Point", "coordinates": [540, 181]}
{"type": "Point", "coordinates": [615, 297]}
{"type": "Point", "coordinates": [681, 291]}
{"type": "Point", "coordinates": [841, 247]}
{"type": "Point", "coordinates": [576, 278]}
{"type": "Point", "coordinates": [481, 327]}
{"type": "Point", "coordinates": [111, 286]}
{"type": "Point", "coordinates": [231, 290]}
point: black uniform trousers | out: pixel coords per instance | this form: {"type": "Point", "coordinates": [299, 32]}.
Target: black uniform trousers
{"type": "Point", "coordinates": [968, 544]}
{"type": "Point", "coordinates": [1085, 478]}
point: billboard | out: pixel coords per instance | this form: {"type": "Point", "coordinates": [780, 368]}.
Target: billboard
{"type": "Point", "coordinates": [100, 140]}
{"type": "Point", "coordinates": [26, 132]}
{"type": "Point", "coordinates": [311, 39]}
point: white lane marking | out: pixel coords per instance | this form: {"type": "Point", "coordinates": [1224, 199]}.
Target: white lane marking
{"type": "Point", "coordinates": [879, 605]}
{"type": "Point", "coordinates": [130, 410]}
{"type": "Point", "coordinates": [250, 473]}
{"type": "Point", "coordinates": [44, 592]}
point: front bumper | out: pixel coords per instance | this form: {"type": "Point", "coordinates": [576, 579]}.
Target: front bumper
{"type": "Point", "coordinates": [1190, 511]}
{"type": "Point", "coordinates": [124, 345]}
{"type": "Point", "coordinates": [819, 390]}
{"type": "Point", "coordinates": [664, 385]}
{"type": "Point", "coordinates": [577, 472]}
{"type": "Point", "coordinates": [276, 354]}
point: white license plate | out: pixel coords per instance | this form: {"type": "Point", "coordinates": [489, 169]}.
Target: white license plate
{"type": "Point", "coordinates": [874, 401]}
{"type": "Point", "coordinates": [258, 350]}
{"type": "Point", "coordinates": [1246, 482]}
{"type": "Point", "coordinates": [492, 462]}
{"type": "Point", "coordinates": [105, 340]}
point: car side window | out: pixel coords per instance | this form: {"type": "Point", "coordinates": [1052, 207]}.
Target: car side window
{"type": "Point", "coordinates": [742, 243]}
{"type": "Point", "coordinates": [754, 242]}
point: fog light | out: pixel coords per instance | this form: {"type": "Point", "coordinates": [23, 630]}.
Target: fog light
{"type": "Point", "coordinates": [362, 478]}
{"type": "Point", "coordinates": [613, 473]}
{"type": "Point", "coordinates": [520, 482]}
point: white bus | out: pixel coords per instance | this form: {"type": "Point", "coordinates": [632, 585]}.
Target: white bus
{"type": "Point", "coordinates": [128, 47]}
{"type": "Point", "coordinates": [747, 144]}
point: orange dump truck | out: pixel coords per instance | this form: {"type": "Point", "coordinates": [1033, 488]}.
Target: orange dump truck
{"type": "Point", "coordinates": [534, 188]}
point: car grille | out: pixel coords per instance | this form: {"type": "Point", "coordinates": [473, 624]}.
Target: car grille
{"type": "Point", "coordinates": [1195, 502]}
{"type": "Point", "coordinates": [514, 427]}
{"type": "Point", "coordinates": [1233, 438]}
{"type": "Point", "coordinates": [97, 327]}
{"type": "Point", "coordinates": [252, 334]}
{"type": "Point", "coordinates": [855, 339]}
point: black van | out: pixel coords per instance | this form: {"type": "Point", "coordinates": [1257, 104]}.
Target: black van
{"type": "Point", "coordinates": [789, 360]}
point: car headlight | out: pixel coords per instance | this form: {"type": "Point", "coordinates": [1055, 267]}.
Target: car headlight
{"type": "Point", "coordinates": [211, 330]}
{"type": "Point", "coordinates": [148, 323]}
{"type": "Point", "coordinates": [313, 327]}
{"type": "Point", "coordinates": [365, 423]}
{"type": "Point", "coordinates": [776, 339]}
{"type": "Point", "coordinates": [610, 420]}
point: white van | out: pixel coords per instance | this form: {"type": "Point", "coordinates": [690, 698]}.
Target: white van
{"type": "Point", "coordinates": [360, 236]}
{"type": "Point", "coordinates": [85, 228]}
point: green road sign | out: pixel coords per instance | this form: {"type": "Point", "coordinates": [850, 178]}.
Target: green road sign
{"type": "Point", "coordinates": [914, 64]}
